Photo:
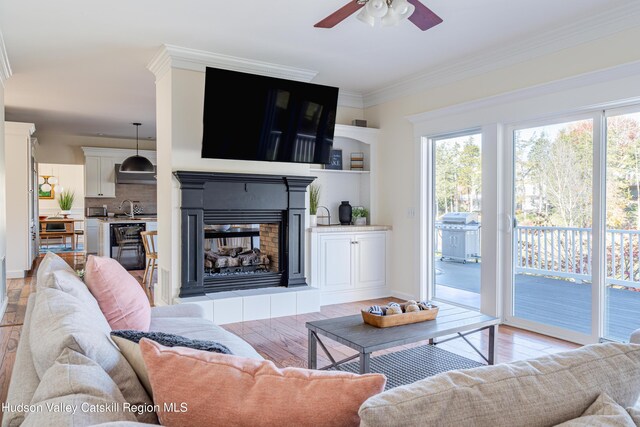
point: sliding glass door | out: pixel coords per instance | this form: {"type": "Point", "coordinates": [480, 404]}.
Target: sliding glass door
{"type": "Point", "coordinates": [575, 230]}
{"type": "Point", "coordinates": [552, 227]}
{"type": "Point", "coordinates": [622, 239]}
{"type": "Point", "coordinates": [457, 206]}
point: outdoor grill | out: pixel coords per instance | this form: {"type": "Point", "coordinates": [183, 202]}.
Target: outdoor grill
{"type": "Point", "coordinates": [460, 236]}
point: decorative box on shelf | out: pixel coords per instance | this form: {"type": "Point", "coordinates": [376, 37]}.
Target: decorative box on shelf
{"type": "Point", "coordinates": [404, 318]}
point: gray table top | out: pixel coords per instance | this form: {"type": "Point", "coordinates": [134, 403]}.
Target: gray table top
{"type": "Point", "coordinates": [353, 332]}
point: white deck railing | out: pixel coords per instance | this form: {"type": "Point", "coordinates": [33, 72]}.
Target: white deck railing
{"type": "Point", "coordinates": [567, 252]}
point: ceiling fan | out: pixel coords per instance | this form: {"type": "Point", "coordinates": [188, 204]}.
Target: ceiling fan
{"type": "Point", "coordinates": [388, 12]}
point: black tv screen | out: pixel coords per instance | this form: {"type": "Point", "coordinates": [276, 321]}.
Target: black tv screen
{"type": "Point", "coordinates": [251, 117]}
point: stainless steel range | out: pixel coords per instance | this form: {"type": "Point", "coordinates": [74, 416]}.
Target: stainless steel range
{"type": "Point", "coordinates": [460, 236]}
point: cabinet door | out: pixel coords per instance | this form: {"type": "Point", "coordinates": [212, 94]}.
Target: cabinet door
{"type": "Point", "coordinates": [335, 262]}
{"type": "Point", "coordinates": [92, 176]}
{"type": "Point", "coordinates": [107, 177]}
{"type": "Point", "coordinates": [91, 239]}
{"type": "Point", "coordinates": [370, 260]}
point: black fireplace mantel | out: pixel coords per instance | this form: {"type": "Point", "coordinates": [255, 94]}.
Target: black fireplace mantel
{"type": "Point", "coordinates": [235, 197]}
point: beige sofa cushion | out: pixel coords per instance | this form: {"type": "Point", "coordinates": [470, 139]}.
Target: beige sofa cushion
{"type": "Point", "coordinates": [50, 263]}
{"type": "Point", "coordinates": [61, 321]}
{"type": "Point", "coordinates": [604, 412]}
{"type": "Point", "coordinates": [77, 381]}
{"type": "Point", "coordinates": [70, 283]}
{"type": "Point", "coordinates": [539, 392]}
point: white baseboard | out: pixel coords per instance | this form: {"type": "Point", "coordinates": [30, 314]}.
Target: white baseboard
{"type": "Point", "coordinates": [352, 295]}
{"type": "Point", "coordinates": [15, 274]}
{"type": "Point", "coordinates": [403, 295]}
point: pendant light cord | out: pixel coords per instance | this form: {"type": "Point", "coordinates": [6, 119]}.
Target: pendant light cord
{"type": "Point", "coordinates": [137, 125]}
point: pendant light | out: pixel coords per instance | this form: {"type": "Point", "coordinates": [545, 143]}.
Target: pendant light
{"type": "Point", "coordinates": [136, 163]}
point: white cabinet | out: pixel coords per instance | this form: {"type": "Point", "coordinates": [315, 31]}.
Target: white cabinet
{"type": "Point", "coordinates": [335, 261]}
{"type": "Point", "coordinates": [91, 231]}
{"type": "Point", "coordinates": [100, 179]}
{"type": "Point", "coordinates": [349, 266]}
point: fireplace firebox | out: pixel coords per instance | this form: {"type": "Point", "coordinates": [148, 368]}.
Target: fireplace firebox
{"type": "Point", "coordinates": [241, 231]}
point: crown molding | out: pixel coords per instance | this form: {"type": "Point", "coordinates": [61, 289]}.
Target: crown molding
{"type": "Point", "coordinates": [5, 67]}
{"type": "Point", "coordinates": [19, 128]}
{"type": "Point", "coordinates": [601, 76]}
{"type": "Point", "coordinates": [578, 32]}
{"type": "Point", "coordinates": [171, 56]}
{"type": "Point", "coordinates": [350, 99]}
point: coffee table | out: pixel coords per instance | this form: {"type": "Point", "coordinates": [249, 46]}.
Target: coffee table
{"type": "Point", "coordinates": [365, 339]}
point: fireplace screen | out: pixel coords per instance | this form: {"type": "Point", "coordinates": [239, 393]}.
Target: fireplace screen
{"type": "Point", "coordinates": [241, 249]}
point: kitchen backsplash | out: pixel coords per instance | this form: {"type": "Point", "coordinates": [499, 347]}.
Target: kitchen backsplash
{"type": "Point", "coordinates": [142, 195]}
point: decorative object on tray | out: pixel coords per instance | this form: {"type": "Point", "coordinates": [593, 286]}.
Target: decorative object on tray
{"type": "Point", "coordinates": [335, 160]}
{"type": "Point", "coordinates": [357, 161]}
{"type": "Point", "coordinates": [344, 213]}
{"type": "Point", "coordinates": [360, 215]}
{"type": "Point", "coordinates": [314, 202]}
{"type": "Point", "coordinates": [394, 314]}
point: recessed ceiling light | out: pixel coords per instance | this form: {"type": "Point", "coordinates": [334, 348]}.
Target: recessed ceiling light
{"type": "Point", "coordinates": [100, 134]}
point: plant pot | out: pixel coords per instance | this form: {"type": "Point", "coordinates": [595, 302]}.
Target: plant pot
{"type": "Point", "coordinates": [65, 214]}
{"type": "Point", "coordinates": [313, 220]}
{"type": "Point", "coordinates": [360, 220]}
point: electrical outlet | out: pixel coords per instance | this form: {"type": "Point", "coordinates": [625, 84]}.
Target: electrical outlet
{"type": "Point", "coordinates": [411, 212]}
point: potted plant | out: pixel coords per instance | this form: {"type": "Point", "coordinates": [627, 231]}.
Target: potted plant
{"type": "Point", "coordinates": [360, 215]}
{"type": "Point", "coordinates": [65, 201]}
{"type": "Point", "coordinates": [314, 202]}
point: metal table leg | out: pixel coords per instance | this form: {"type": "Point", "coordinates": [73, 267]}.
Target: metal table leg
{"type": "Point", "coordinates": [312, 356]}
{"type": "Point", "coordinates": [492, 344]}
{"type": "Point", "coordinates": [364, 363]}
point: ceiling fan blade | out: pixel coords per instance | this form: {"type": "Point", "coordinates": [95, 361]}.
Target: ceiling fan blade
{"type": "Point", "coordinates": [423, 17]}
{"type": "Point", "coordinates": [339, 15]}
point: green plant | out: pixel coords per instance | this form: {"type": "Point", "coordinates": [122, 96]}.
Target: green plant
{"type": "Point", "coordinates": [65, 200]}
{"type": "Point", "coordinates": [314, 199]}
{"type": "Point", "coordinates": [359, 212]}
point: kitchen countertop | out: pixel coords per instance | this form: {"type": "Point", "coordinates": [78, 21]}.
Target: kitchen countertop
{"type": "Point", "coordinates": [348, 228]}
{"type": "Point", "coordinates": [136, 219]}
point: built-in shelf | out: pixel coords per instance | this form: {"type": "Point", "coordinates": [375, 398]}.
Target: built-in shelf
{"type": "Point", "coordinates": [339, 171]}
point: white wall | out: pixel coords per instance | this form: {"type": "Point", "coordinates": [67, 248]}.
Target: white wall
{"type": "Point", "coordinates": [71, 177]}
{"type": "Point", "coordinates": [3, 204]}
{"type": "Point", "coordinates": [399, 179]}
{"type": "Point", "coordinates": [17, 165]}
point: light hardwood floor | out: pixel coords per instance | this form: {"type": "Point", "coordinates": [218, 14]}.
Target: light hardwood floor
{"type": "Point", "coordinates": [282, 340]}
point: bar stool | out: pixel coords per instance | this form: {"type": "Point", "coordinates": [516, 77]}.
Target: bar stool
{"type": "Point", "coordinates": [148, 241]}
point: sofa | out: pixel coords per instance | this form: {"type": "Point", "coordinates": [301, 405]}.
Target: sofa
{"type": "Point", "coordinates": [594, 381]}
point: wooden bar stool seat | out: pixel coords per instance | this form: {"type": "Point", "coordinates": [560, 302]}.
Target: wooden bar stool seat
{"type": "Point", "coordinates": [148, 241]}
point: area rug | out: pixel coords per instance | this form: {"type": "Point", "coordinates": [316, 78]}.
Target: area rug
{"type": "Point", "coordinates": [408, 366]}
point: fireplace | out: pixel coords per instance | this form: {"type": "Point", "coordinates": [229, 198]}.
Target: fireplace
{"type": "Point", "coordinates": [241, 231]}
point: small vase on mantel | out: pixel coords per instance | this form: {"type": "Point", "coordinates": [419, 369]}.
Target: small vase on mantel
{"type": "Point", "coordinates": [344, 213]}
{"type": "Point", "coordinates": [313, 220]}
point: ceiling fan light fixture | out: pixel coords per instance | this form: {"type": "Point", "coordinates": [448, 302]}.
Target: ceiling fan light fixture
{"type": "Point", "coordinates": [136, 163]}
{"type": "Point", "coordinates": [377, 8]}
{"type": "Point", "coordinates": [366, 18]}
{"type": "Point", "coordinates": [402, 8]}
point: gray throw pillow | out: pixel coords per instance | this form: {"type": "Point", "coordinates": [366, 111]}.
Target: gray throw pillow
{"type": "Point", "coordinates": [128, 342]}
{"type": "Point", "coordinates": [171, 340]}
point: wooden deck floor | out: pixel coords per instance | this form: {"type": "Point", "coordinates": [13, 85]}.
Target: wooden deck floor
{"type": "Point", "coordinates": [547, 300]}
{"type": "Point", "coordinates": [282, 340]}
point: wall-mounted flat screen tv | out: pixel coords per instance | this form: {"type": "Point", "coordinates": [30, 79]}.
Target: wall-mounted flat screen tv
{"type": "Point", "coordinates": [251, 117]}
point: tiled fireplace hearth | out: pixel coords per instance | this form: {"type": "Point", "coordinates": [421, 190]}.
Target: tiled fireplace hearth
{"type": "Point", "coordinates": [241, 231]}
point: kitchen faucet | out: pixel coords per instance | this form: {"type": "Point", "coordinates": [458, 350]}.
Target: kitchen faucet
{"type": "Point", "coordinates": [328, 214]}
{"type": "Point", "coordinates": [132, 213]}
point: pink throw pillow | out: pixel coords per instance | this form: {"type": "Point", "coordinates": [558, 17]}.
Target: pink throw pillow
{"type": "Point", "coordinates": [119, 295]}
{"type": "Point", "coordinates": [218, 389]}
